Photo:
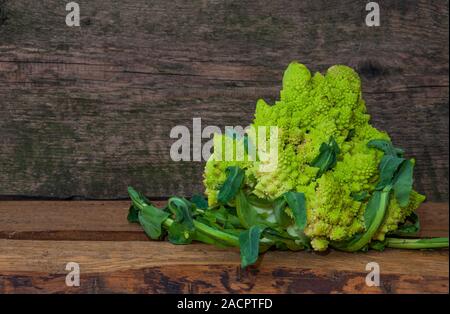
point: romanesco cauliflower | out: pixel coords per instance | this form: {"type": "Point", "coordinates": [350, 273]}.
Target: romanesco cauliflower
{"type": "Point", "coordinates": [336, 181]}
{"type": "Point", "coordinates": [311, 110]}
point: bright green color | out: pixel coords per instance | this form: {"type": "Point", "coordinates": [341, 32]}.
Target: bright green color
{"type": "Point", "coordinates": [323, 152]}
{"type": "Point", "coordinates": [339, 181]}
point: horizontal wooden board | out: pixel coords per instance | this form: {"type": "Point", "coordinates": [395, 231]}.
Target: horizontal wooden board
{"type": "Point", "coordinates": [159, 267]}
{"type": "Point", "coordinates": [38, 238]}
{"type": "Point", "coordinates": [87, 111]}
{"type": "Point", "coordinates": [106, 220]}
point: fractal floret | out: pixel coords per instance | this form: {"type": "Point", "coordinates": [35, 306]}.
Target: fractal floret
{"type": "Point", "coordinates": [311, 172]}
{"type": "Point", "coordinates": [313, 111]}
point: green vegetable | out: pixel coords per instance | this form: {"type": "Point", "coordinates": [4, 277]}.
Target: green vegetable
{"type": "Point", "coordinates": [360, 197]}
{"type": "Point", "coordinates": [388, 168]}
{"type": "Point", "coordinates": [297, 203]}
{"type": "Point", "coordinates": [411, 226]}
{"type": "Point", "coordinates": [417, 244]}
{"type": "Point", "coordinates": [151, 220]}
{"type": "Point", "coordinates": [327, 157]}
{"type": "Point", "coordinates": [338, 181]}
{"type": "Point", "coordinates": [403, 183]}
{"type": "Point", "coordinates": [249, 245]}
{"type": "Point", "coordinates": [235, 176]}
{"type": "Point", "coordinates": [182, 229]}
{"type": "Point", "coordinates": [199, 201]}
{"type": "Point", "coordinates": [373, 217]}
{"type": "Point", "coordinates": [133, 214]}
{"type": "Point", "coordinates": [245, 211]}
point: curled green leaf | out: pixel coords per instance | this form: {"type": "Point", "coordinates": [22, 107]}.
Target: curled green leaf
{"type": "Point", "coordinates": [389, 166]}
{"type": "Point", "coordinates": [246, 213]}
{"type": "Point", "coordinates": [281, 217]}
{"type": "Point", "coordinates": [327, 157]}
{"type": "Point", "coordinates": [151, 220]}
{"type": "Point", "coordinates": [249, 245]}
{"type": "Point", "coordinates": [403, 183]}
{"type": "Point", "coordinates": [199, 201]}
{"type": "Point", "coordinates": [297, 203]}
{"type": "Point", "coordinates": [182, 228]}
{"type": "Point", "coordinates": [232, 184]}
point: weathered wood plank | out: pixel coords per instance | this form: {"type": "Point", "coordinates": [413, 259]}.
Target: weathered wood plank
{"type": "Point", "coordinates": [128, 266]}
{"type": "Point", "coordinates": [106, 220]}
{"type": "Point", "coordinates": [155, 267]}
{"type": "Point", "coordinates": [87, 111]}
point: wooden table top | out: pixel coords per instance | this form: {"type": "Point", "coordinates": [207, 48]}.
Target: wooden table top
{"type": "Point", "coordinates": [38, 239]}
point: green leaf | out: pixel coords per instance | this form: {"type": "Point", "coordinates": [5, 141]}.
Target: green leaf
{"type": "Point", "coordinates": [181, 209]}
{"type": "Point", "coordinates": [223, 216]}
{"type": "Point", "coordinates": [360, 197]}
{"type": "Point", "coordinates": [389, 166]}
{"type": "Point", "coordinates": [386, 146]}
{"type": "Point", "coordinates": [283, 240]}
{"type": "Point", "coordinates": [297, 203]}
{"type": "Point", "coordinates": [327, 157]}
{"type": "Point", "coordinates": [246, 213]}
{"type": "Point", "coordinates": [259, 202]}
{"type": "Point", "coordinates": [371, 209]}
{"type": "Point", "coordinates": [393, 168]}
{"type": "Point", "coordinates": [403, 183]}
{"type": "Point", "coordinates": [249, 245]}
{"type": "Point", "coordinates": [232, 184]}
{"type": "Point", "coordinates": [281, 217]}
{"type": "Point", "coordinates": [151, 220]}
{"type": "Point", "coordinates": [199, 201]}
{"type": "Point", "coordinates": [410, 227]}
{"type": "Point", "coordinates": [138, 199]}
{"type": "Point", "coordinates": [133, 214]}
{"type": "Point", "coordinates": [182, 228]}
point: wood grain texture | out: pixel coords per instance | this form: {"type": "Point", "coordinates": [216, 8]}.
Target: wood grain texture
{"type": "Point", "coordinates": [87, 111]}
{"type": "Point", "coordinates": [160, 267]}
{"type": "Point", "coordinates": [106, 220]}
{"type": "Point", "coordinates": [38, 238]}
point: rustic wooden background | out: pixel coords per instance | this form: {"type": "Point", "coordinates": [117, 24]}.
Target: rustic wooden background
{"type": "Point", "coordinates": [86, 111]}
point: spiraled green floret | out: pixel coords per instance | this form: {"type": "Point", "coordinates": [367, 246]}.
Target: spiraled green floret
{"type": "Point", "coordinates": [311, 110]}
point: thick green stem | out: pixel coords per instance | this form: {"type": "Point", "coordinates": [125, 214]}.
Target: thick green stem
{"type": "Point", "coordinates": [417, 244]}
{"type": "Point", "coordinates": [223, 237]}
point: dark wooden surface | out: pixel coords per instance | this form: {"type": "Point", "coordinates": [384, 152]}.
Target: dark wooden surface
{"type": "Point", "coordinates": [87, 111]}
{"type": "Point", "coordinates": [38, 238]}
